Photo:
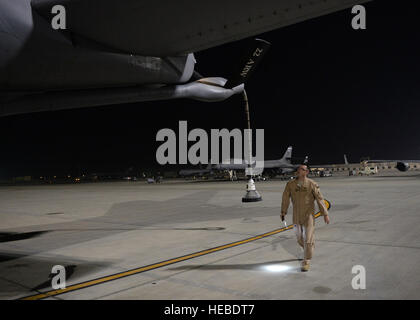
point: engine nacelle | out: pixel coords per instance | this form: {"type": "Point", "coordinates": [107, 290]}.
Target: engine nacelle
{"type": "Point", "coordinates": [403, 166]}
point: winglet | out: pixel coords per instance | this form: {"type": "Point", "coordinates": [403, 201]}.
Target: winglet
{"type": "Point", "coordinates": [248, 63]}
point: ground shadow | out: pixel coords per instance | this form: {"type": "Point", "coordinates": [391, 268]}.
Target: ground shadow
{"type": "Point", "coordinates": [15, 236]}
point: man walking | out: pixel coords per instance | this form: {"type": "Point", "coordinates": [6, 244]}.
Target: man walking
{"type": "Point", "coordinates": [304, 192]}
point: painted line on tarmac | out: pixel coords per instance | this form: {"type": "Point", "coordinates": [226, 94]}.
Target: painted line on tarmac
{"type": "Point", "coordinates": [131, 272]}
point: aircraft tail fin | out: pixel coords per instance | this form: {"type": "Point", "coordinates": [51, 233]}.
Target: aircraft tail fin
{"type": "Point", "coordinates": [248, 64]}
{"type": "Point", "coordinates": [345, 160]}
{"type": "Point", "coordinates": [288, 155]}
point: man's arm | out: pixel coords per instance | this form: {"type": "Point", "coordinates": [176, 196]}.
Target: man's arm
{"type": "Point", "coordinates": [320, 201]}
{"type": "Point", "coordinates": [285, 201]}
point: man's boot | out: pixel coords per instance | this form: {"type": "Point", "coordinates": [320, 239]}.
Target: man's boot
{"type": "Point", "coordinates": [305, 265]}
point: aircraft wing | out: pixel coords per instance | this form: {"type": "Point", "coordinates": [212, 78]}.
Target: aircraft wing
{"type": "Point", "coordinates": [191, 172]}
{"type": "Point", "coordinates": [275, 165]}
{"type": "Point", "coordinates": [166, 27]}
{"type": "Point", "coordinates": [230, 166]}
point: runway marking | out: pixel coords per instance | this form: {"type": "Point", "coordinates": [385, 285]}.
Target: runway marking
{"type": "Point", "coordinates": [131, 272]}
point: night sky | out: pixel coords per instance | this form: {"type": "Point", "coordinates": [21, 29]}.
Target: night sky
{"type": "Point", "coordinates": [323, 88]}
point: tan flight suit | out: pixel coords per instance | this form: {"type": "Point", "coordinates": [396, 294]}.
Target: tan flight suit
{"type": "Point", "coordinates": [303, 197]}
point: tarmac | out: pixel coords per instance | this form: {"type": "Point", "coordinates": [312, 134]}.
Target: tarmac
{"type": "Point", "coordinates": [197, 240]}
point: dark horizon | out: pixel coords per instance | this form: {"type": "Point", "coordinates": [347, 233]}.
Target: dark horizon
{"type": "Point", "coordinates": [323, 88]}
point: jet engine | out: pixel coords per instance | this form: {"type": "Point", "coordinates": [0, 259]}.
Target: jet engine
{"type": "Point", "coordinates": [403, 166]}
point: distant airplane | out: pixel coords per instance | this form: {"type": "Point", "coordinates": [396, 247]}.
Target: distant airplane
{"type": "Point", "coordinates": [329, 166]}
{"type": "Point", "coordinates": [402, 165]}
{"type": "Point", "coordinates": [271, 167]}
{"type": "Point", "coordinates": [105, 52]}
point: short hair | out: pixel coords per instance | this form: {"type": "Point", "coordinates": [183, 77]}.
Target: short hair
{"type": "Point", "coordinates": [301, 165]}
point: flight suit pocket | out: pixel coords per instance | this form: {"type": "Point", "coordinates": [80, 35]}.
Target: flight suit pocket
{"type": "Point", "coordinates": [308, 199]}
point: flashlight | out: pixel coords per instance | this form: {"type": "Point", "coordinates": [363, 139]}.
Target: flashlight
{"type": "Point", "coordinates": [284, 221]}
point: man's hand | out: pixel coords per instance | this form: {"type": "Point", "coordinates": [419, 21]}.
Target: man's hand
{"type": "Point", "coordinates": [327, 219]}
